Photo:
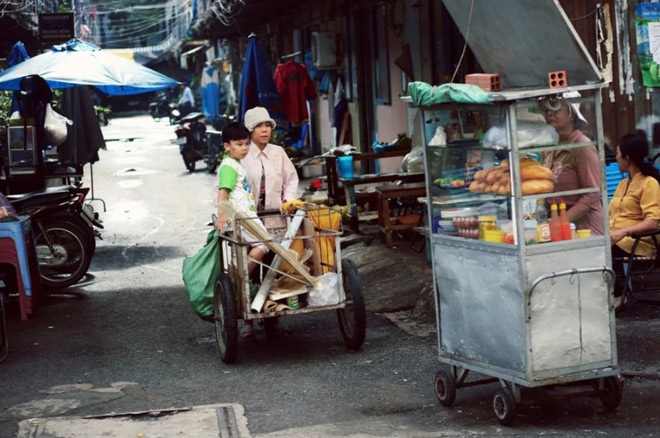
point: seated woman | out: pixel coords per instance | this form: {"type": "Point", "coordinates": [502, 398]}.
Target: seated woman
{"type": "Point", "coordinates": [635, 206]}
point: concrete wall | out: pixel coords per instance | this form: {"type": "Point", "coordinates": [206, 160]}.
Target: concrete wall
{"type": "Point", "coordinates": [391, 119]}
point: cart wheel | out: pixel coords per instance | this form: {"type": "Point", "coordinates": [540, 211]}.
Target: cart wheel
{"type": "Point", "coordinates": [445, 388]}
{"type": "Point", "coordinates": [504, 406]}
{"type": "Point", "coordinates": [226, 322]}
{"type": "Point", "coordinates": [612, 392]}
{"type": "Point", "coordinates": [352, 318]}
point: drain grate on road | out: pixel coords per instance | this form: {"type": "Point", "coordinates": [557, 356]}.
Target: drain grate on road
{"type": "Point", "coordinates": [209, 421]}
{"type": "Point", "coordinates": [227, 422]}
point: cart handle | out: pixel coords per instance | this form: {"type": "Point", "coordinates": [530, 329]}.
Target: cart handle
{"type": "Point", "coordinates": [573, 271]}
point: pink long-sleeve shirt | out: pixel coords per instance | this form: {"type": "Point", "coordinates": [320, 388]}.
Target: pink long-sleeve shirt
{"type": "Point", "coordinates": [281, 175]}
{"type": "Point", "coordinates": [574, 169]}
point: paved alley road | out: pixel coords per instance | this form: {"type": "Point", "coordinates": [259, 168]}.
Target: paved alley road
{"type": "Point", "coordinates": [127, 340]}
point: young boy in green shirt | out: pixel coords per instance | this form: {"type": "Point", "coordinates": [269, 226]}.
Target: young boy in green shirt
{"type": "Point", "coordinates": [233, 188]}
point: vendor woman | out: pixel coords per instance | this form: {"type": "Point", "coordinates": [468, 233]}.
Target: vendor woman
{"type": "Point", "coordinates": [575, 168]}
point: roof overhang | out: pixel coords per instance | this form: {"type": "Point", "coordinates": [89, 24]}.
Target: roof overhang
{"type": "Point", "coordinates": [246, 18]}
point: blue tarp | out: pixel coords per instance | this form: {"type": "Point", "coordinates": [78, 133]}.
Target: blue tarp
{"type": "Point", "coordinates": [80, 63]}
{"type": "Point", "coordinates": [257, 84]}
{"type": "Point", "coordinates": [17, 54]}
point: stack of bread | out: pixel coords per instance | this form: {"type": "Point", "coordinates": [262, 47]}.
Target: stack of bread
{"type": "Point", "coordinates": [535, 177]}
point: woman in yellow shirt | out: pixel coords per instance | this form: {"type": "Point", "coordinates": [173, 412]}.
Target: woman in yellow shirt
{"type": "Point", "coordinates": [635, 206]}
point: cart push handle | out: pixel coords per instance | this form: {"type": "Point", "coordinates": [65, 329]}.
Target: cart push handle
{"type": "Point", "coordinates": [604, 269]}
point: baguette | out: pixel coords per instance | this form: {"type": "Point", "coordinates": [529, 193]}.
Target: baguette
{"type": "Point", "coordinates": [480, 175]}
{"type": "Point", "coordinates": [534, 186]}
{"type": "Point", "coordinates": [504, 164]}
{"type": "Point", "coordinates": [535, 172]}
{"type": "Point", "coordinates": [476, 187]}
{"type": "Point", "coordinates": [494, 176]}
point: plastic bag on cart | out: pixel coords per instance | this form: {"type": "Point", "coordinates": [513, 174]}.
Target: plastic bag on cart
{"type": "Point", "coordinates": [326, 292]}
{"type": "Point", "coordinates": [413, 162]}
{"type": "Point", "coordinates": [199, 274]}
{"type": "Point", "coordinates": [529, 134]}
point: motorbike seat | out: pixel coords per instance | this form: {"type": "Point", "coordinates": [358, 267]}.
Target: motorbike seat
{"type": "Point", "coordinates": [23, 201]}
{"type": "Point", "coordinates": [192, 117]}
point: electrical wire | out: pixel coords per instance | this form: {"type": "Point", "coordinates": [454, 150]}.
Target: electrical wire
{"type": "Point", "coordinates": [467, 34]}
{"type": "Point", "coordinates": [585, 16]}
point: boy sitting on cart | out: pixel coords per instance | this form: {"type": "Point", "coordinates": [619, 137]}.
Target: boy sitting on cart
{"type": "Point", "coordinates": [234, 189]}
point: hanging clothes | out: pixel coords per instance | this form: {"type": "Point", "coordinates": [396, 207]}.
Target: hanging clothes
{"type": "Point", "coordinates": [210, 91]}
{"type": "Point", "coordinates": [84, 137]}
{"type": "Point", "coordinates": [339, 109]}
{"type": "Point", "coordinates": [295, 86]}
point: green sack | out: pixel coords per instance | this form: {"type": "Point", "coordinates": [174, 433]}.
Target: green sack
{"type": "Point", "coordinates": [199, 274]}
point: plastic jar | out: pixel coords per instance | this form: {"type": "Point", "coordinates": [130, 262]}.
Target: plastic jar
{"type": "Point", "coordinates": [486, 222]}
{"type": "Point", "coordinates": [495, 236]}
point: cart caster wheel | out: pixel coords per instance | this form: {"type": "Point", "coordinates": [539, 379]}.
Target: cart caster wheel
{"type": "Point", "coordinates": [226, 321]}
{"type": "Point", "coordinates": [352, 318]}
{"type": "Point", "coordinates": [445, 388]}
{"type": "Point", "coordinates": [504, 406]}
{"type": "Point", "coordinates": [612, 392]}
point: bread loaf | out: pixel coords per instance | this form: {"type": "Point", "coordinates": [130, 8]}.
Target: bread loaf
{"type": "Point", "coordinates": [535, 172]}
{"type": "Point", "coordinates": [534, 186]}
{"type": "Point", "coordinates": [494, 176]}
{"type": "Point", "coordinates": [504, 189]}
{"type": "Point", "coordinates": [524, 162]}
{"type": "Point", "coordinates": [476, 187]}
{"type": "Point", "coordinates": [480, 175]}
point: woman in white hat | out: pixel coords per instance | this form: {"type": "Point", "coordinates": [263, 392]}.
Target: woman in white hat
{"type": "Point", "coordinates": [575, 168]}
{"type": "Point", "coordinates": [271, 173]}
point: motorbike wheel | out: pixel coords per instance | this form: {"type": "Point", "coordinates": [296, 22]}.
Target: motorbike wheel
{"type": "Point", "coordinates": [190, 164]}
{"type": "Point", "coordinates": [79, 222]}
{"type": "Point", "coordinates": [70, 258]}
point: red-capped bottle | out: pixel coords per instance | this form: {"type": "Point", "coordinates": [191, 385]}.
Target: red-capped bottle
{"type": "Point", "coordinates": [555, 224]}
{"type": "Point", "coordinates": [563, 220]}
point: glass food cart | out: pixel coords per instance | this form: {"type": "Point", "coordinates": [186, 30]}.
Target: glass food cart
{"type": "Point", "coordinates": [523, 312]}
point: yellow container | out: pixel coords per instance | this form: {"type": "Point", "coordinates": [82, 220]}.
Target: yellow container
{"type": "Point", "coordinates": [583, 234]}
{"type": "Point", "coordinates": [486, 222]}
{"type": "Point", "coordinates": [494, 236]}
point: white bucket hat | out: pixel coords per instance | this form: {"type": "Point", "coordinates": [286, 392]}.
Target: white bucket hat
{"type": "Point", "coordinates": [554, 103]}
{"type": "Point", "coordinates": [257, 115]}
{"type": "Point", "coordinates": [580, 121]}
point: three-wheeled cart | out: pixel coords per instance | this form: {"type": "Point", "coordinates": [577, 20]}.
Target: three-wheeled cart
{"type": "Point", "coordinates": [319, 233]}
{"type": "Point", "coordinates": [522, 313]}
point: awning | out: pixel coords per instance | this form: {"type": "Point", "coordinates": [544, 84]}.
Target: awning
{"type": "Point", "coordinates": [524, 40]}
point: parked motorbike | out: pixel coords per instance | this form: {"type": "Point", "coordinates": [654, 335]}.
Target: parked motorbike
{"type": "Point", "coordinates": [163, 108]}
{"type": "Point", "coordinates": [64, 232]}
{"type": "Point", "coordinates": [195, 144]}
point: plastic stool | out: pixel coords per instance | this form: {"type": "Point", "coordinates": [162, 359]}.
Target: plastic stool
{"type": "Point", "coordinates": [17, 248]}
{"type": "Point", "coordinates": [4, 339]}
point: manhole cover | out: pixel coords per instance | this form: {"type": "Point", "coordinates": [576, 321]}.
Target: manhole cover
{"type": "Point", "coordinates": [210, 421]}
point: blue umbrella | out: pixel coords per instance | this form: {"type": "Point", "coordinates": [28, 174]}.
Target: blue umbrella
{"type": "Point", "coordinates": [257, 84]}
{"type": "Point", "coordinates": [80, 63]}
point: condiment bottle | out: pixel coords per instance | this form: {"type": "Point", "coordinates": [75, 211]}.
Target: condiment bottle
{"type": "Point", "coordinates": [542, 224]}
{"type": "Point", "coordinates": [563, 220]}
{"type": "Point", "coordinates": [555, 224]}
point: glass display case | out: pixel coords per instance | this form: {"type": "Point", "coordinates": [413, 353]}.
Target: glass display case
{"type": "Point", "coordinates": [487, 186]}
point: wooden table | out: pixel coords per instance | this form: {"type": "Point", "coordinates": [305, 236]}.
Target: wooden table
{"type": "Point", "coordinates": [349, 190]}
{"type": "Point", "coordinates": [387, 219]}
{"type": "Point", "coordinates": [335, 195]}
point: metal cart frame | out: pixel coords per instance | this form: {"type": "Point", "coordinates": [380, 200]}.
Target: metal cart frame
{"type": "Point", "coordinates": [525, 316]}
{"type": "Point", "coordinates": [232, 289]}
